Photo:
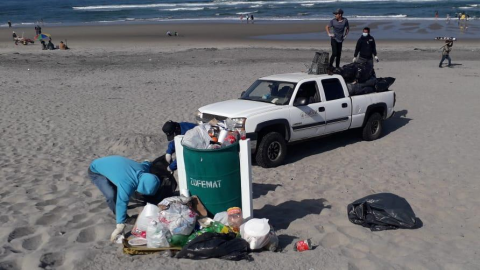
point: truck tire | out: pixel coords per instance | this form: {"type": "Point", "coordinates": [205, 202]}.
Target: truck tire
{"type": "Point", "coordinates": [272, 150]}
{"type": "Point", "coordinates": [373, 128]}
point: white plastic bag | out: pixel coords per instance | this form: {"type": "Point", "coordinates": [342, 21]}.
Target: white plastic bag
{"type": "Point", "coordinates": [256, 232]}
{"type": "Point", "coordinates": [157, 235]}
{"type": "Point", "coordinates": [197, 137]}
{"type": "Point", "coordinates": [178, 218]}
{"type": "Point", "coordinates": [221, 217]}
{"type": "Point", "coordinates": [150, 212]}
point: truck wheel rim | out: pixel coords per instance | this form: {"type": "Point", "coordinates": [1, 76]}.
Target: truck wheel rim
{"type": "Point", "coordinates": [374, 127]}
{"type": "Point", "coordinates": [273, 151]}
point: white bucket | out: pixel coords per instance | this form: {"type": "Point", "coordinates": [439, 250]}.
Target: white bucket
{"type": "Point", "coordinates": [256, 232]}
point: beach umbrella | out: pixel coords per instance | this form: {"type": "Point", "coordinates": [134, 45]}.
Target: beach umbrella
{"type": "Point", "coordinates": [42, 36]}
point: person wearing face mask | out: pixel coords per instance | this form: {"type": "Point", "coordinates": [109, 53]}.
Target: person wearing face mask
{"type": "Point", "coordinates": [172, 129]}
{"type": "Point", "coordinates": [366, 47]}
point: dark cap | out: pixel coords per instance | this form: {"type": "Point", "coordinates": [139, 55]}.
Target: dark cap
{"type": "Point", "coordinates": [338, 11]}
{"type": "Point", "coordinates": [169, 128]}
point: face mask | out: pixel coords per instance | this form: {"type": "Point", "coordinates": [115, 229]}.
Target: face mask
{"type": "Point", "coordinates": [365, 34]}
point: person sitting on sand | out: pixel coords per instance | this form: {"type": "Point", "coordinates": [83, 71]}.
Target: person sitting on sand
{"type": "Point", "coordinates": [169, 33]}
{"type": "Point", "coordinates": [44, 46]}
{"type": "Point", "coordinates": [14, 35]}
{"type": "Point", "coordinates": [118, 178]}
{"type": "Point", "coordinates": [50, 45]}
{"type": "Point", "coordinates": [172, 129]}
{"type": "Point", "coordinates": [63, 46]}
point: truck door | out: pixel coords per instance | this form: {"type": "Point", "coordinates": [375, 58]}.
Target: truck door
{"type": "Point", "coordinates": [337, 106]}
{"type": "Point", "coordinates": [307, 120]}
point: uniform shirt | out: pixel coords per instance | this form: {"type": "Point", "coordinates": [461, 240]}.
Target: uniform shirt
{"type": "Point", "coordinates": [366, 47]}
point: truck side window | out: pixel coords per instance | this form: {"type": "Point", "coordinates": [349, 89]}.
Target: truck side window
{"type": "Point", "coordinates": [333, 89]}
{"type": "Point", "coordinates": [309, 90]}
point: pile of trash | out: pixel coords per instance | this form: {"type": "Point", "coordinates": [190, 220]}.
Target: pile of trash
{"type": "Point", "coordinates": [361, 79]}
{"type": "Point", "coordinates": [181, 223]}
{"type": "Point", "coordinates": [214, 135]}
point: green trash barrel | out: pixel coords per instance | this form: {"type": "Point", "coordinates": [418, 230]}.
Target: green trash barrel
{"type": "Point", "coordinates": [214, 176]}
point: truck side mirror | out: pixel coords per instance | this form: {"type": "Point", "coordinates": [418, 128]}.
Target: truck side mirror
{"type": "Point", "coordinates": [300, 101]}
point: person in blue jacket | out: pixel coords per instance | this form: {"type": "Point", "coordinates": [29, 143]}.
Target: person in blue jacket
{"type": "Point", "coordinates": [172, 129]}
{"type": "Point", "coordinates": [118, 178]}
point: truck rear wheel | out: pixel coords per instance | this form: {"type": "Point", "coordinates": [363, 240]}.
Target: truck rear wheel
{"type": "Point", "coordinates": [272, 150]}
{"type": "Point", "coordinates": [373, 128]}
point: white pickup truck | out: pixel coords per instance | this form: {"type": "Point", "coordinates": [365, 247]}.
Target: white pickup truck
{"type": "Point", "coordinates": [280, 109]}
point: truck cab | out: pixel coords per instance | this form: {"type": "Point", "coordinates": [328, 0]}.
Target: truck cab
{"type": "Point", "coordinates": [280, 109]}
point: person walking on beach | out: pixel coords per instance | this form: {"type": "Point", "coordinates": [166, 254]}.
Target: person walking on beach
{"type": "Point", "coordinates": [251, 18]}
{"type": "Point", "coordinates": [9, 24]}
{"type": "Point", "coordinates": [366, 47]}
{"type": "Point", "coordinates": [248, 17]}
{"type": "Point", "coordinates": [340, 29]}
{"type": "Point", "coordinates": [436, 14]}
{"type": "Point", "coordinates": [446, 49]}
{"type": "Point", "coordinates": [118, 178]}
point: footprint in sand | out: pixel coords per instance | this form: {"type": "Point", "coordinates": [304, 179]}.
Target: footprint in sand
{"type": "Point", "coordinates": [47, 202]}
{"type": "Point", "coordinates": [51, 260]}
{"type": "Point", "coordinates": [78, 218]}
{"type": "Point", "coordinates": [87, 235]}
{"type": "Point", "coordinates": [47, 219]}
{"type": "Point", "coordinates": [9, 266]}
{"type": "Point", "coordinates": [20, 232]}
{"type": "Point", "coordinates": [32, 243]}
{"type": "Point", "coordinates": [335, 239]}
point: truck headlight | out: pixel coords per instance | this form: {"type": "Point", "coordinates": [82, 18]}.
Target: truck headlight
{"type": "Point", "coordinates": [239, 122]}
{"type": "Point", "coordinates": [199, 117]}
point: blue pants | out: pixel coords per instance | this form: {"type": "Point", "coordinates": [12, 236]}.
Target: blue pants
{"type": "Point", "coordinates": [108, 189]}
{"type": "Point", "coordinates": [446, 57]}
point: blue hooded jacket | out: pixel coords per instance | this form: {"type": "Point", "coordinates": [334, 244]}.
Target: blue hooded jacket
{"type": "Point", "coordinates": [128, 176]}
{"type": "Point", "coordinates": [184, 127]}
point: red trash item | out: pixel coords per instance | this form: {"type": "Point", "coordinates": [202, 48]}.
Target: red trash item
{"type": "Point", "coordinates": [303, 245]}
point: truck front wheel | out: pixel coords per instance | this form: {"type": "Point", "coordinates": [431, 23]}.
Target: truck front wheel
{"type": "Point", "coordinates": [373, 128]}
{"type": "Point", "coordinates": [272, 150]}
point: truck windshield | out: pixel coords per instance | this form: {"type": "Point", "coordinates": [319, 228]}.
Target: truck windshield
{"type": "Point", "coordinates": [278, 93]}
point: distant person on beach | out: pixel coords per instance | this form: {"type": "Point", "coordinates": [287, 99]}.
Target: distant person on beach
{"type": "Point", "coordinates": [9, 24]}
{"type": "Point", "coordinates": [366, 47]}
{"type": "Point", "coordinates": [448, 18]}
{"type": "Point", "coordinates": [44, 46]}
{"type": "Point", "coordinates": [251, 18]}
{"type": "Point", "coordinates": [118, 178]}
{"type": "Point", "coordinates": [436, 14]}
{"type": "Point", "coordinates": [62, 46]}
{"type": "Point", "coordinates": [248, 17]}
{"type": "Point", "coordinates": [50, 45]}
{"type": "Point", "coordinates": [340, 29]}
{"type": "Point", "coordinates": [14, 35]}
{"type": "Point", "coordinates": [446, 49]}
{"type": "Point", "coordinates": [169, 33]}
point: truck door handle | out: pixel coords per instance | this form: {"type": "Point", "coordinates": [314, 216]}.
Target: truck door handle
{"type": "Point", "coordinates": [321, 109]}
{"type": "Point", "coordinates": [344, 105]}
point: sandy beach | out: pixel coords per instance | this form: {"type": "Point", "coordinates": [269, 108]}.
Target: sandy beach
{"type": "Point", "coordinates": [112, 92]}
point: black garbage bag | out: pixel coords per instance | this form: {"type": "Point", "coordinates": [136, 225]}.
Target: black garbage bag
{"type": "Point", "coordinates": [383, 84]}
{"type": "Point", "coordinates": [216, 245]}
{"type": "Point", "coordinates": [349, 72]}
{"type": "Point", "coordinates": [383, 211]}
{"type": "Point", "coordinates": [168, 183]}
{"type": "Point", "coordinates": [364, 72]}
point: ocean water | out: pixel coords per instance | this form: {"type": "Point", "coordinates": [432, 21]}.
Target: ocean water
{"type": "Point", "coordinates": [28, 12]}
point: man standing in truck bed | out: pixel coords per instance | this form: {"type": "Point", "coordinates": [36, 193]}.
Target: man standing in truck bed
{"type": "Point", "coordinates": [340, 28]}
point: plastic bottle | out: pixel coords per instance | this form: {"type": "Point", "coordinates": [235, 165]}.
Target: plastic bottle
{"type": "Point", "coordinates": [235, 218]}
{"type": "Point", "coordinates": [157, 235]}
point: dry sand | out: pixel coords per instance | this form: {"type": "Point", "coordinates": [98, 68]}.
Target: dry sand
{"type": "Point", "coordinates": [62, 109]}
